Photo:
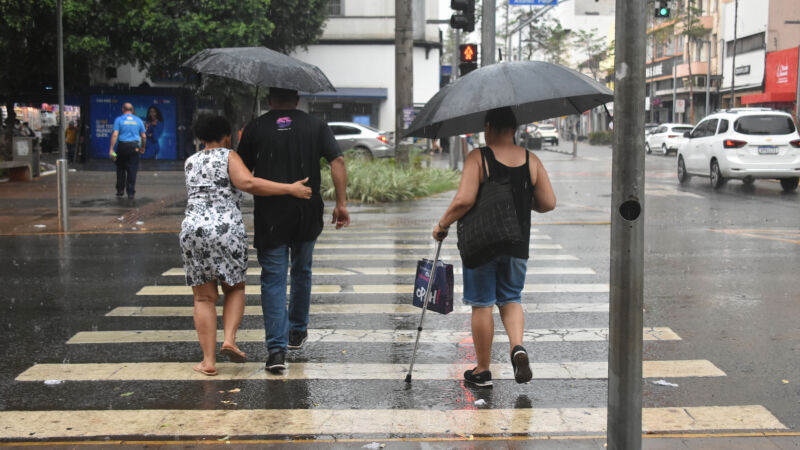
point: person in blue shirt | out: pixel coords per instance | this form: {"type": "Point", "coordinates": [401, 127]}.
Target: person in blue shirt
{"type": "Point", "coordinates": [129, 138]}
{"type": "Point", "coordinates": [154, 125]}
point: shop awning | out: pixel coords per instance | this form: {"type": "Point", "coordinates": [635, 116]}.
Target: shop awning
{"type": "Point", "coordinates": [768, 97]}
{"type": "Point", "coordinates": [344, 93]}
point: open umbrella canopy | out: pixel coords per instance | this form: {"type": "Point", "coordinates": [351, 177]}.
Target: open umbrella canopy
{"type": "Point", "coordinates": [260, 66]}
{"type": "Point", "coordinates": [535, 90]}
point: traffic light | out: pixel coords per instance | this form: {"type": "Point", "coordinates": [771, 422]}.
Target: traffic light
{"type": "Point", "coordinates": [662, 10]}
{"type": "Point", "coordinates": [464, 18]}
{"type": "Point", "coordinates": [468, 57]}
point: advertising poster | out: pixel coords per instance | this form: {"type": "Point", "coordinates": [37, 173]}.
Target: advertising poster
{"type": "Point", "coordinates": [157, 112]}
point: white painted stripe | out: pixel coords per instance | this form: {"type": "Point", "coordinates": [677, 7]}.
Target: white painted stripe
{"type": "Point", "coordinates": [388, 246]}
{"type": "Point", "coordinates": [252, 289]}
{"type": "Point", "coordinates": [177, 271]}
{"type": "Point", "coordinates": [341, 256]}
{"type": "Point", "coordinates": [351, 308]}
{"type": "Point", "coordinates": [405, 239]}
{"type": "Point", "coordinates": [369, 336]}
{"type": "Point", "coordinates": [356, 422]}
{"type": "Point", "coordinates": [380, 231]}
{"type": "Point", "coordinates": [596, 370]}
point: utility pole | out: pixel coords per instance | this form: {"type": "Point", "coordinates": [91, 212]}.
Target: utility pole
{"type": "Point", "coordinates": [403, 66]}
{"type": "Point", "coordinates": [627, 230]}
{"type": "Point", "coordinates": [708, 80]}
{"type": "Point", "coordinates": [488, 33]}
{"type": "Point", "coordinates": [733, 63]}
{"type": "Point", "coordinates": [453, 140]}
{"type": "Point", "coordinates": [797, 93]}
{"type": "Point", "coordinates": [61, 164]}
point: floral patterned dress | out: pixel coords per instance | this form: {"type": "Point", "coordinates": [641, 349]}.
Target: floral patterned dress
{"type": "Point", "coordinates": [213, 238]}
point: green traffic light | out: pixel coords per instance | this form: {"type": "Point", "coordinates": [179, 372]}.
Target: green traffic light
{"type": "Point", "coordinates": [663, 11]}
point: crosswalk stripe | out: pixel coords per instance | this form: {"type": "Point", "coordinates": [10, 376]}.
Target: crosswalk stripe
{"type": "Point", "coordinates": [381, 231]}
{"type": "Point", "coordinates": [349, 308]}
{"type": "Point", "coordinates": [390, 245]}
{"type": "Point", "coordinates": [178, 271]}
{"type": "Point", "coordinates": [357, 422]}
{"type": "Point", "coordinates": [252, 289]}
{"type": "Point", "coordinates": [404, 239]}
{"type": "Point", "coordinates": [366, 336]}
{"type": "Point", "coordinates": [172, 371]}
{"type": "Point", "coordinates": [450, 257]}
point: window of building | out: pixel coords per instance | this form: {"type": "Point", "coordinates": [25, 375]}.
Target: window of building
{"type": "Point", "coordinates": [746, 44]}
{"type": "Point", "coordinates": [335, 8]}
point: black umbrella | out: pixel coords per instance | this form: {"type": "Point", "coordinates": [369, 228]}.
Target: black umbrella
{"type": "Point", "coordinates": [260, 66]}
{"type": "Point", "coordinates": [535, 90]}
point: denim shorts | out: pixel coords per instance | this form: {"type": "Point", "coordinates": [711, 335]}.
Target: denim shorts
{"type": "Point", "coordinates": [495, 283]}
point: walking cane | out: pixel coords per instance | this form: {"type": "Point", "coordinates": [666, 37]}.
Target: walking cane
{"type": "Point", "coordinates": [425, 306]}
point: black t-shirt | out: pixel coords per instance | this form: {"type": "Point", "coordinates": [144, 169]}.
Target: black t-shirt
{"type": "Point", "coordinates": [286, 146]}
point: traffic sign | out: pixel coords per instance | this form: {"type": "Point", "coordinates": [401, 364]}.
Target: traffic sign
{"type": "Point", "coordinates": [680, 105]}
{"type": "Point", "coordinates": [533, 2]}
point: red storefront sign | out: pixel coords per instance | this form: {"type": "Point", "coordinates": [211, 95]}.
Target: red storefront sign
{"type": "Point", "coordinates": [781, 79]}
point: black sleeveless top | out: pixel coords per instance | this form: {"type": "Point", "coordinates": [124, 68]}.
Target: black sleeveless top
{"type": "Point", "coordinates": [521, 189]}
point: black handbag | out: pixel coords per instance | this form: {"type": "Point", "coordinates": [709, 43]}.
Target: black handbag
{"type": "Point", "coordinates": [490, 228]}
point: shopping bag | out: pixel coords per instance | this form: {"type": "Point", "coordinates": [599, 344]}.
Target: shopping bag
{"type": "Point", "coordinates": [441, 300]}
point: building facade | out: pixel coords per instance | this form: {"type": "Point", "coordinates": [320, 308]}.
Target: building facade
{"type": "Point", "coordinates": [357, 53]}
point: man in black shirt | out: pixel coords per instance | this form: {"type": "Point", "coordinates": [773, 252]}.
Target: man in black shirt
{"type": "Point", "coordinates": [281, 145]}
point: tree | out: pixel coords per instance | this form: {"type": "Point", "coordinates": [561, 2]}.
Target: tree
{"type": "Point", "coordinates": [593, 46]}
{"type": "Point", "coordinates": [693, 30]}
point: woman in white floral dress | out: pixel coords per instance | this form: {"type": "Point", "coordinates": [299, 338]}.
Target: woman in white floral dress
{"type": "Point", "coordinates": [213, 238]}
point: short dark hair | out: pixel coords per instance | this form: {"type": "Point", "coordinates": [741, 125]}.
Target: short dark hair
{"type": "Point", "coordinates": [501, 119]}
{"type": "Point", "coordinates": [281, 95]}
{"type": "Point", "coordinates": [210, 128]}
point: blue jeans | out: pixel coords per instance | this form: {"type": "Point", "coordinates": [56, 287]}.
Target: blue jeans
{"type": "Point", "coordinates": [497, 282]}
{"type": "Point", "coordinates": [274, 266]}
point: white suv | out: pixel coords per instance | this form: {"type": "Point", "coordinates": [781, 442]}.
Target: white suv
{"type": "Point", "coordinates": [742, 143]}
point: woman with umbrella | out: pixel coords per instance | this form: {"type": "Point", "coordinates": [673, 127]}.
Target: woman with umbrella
{"type": "Point", "coordinates": [500, 281]}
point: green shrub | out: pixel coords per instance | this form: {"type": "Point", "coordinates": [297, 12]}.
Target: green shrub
{"type": "Point", "coordinates": [383, 180]}
{"type": "Point", "coordinates": [600, 138]}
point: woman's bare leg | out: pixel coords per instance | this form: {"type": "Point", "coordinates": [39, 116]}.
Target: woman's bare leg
{"type": "Point", "coordinates": [514, 320]}
{"type": "Point", "coordinates": [232, 313]}
{"type": "Point", "coordinates": [482, 336]}
{"type": "Point", "coordinates": [205, 322]}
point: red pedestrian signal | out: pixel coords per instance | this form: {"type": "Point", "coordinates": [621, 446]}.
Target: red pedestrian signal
{"type": "Point", "coordinates": [468, 52]}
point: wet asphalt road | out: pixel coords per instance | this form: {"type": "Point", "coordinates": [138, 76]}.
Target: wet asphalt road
{"type": "Point", "coordinates": [720, 272]}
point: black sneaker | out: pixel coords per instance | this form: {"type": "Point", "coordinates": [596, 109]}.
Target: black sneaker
{"type": "Point", "coordinates": [297, 339]}
{"type": "Point", "coordinates": [120, 194]}
{"type": "Point", "coordinates": [483, 379]}
{"type": "Point", "coordinates": [521, 365]}
{"type": "Point", "coordinates": [276, 362]}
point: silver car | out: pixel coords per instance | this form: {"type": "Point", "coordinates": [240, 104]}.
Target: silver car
{"type": "Point", "coordinates": [363, 140]}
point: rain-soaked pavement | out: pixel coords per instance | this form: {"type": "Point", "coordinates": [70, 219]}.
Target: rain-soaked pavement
{"type": "Point", "coordinates": [98, 344]}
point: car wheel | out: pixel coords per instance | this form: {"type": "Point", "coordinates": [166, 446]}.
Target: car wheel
{"type": "Point", "coordinates": [647, 148]}
{"type": "Point", "coordinates": [748, 181]}
{"type": "Point", "coordinates": [360, 153]}
{"type": "Point", "coordinates": [664, 149]}
{"type": "Point", "coordinates": [717, 180]}
{"type": "Point", "coordinates": [683, 176]}
{"type": "Point", "coordinates": [556, 142]}
{"type": "Point", "coordinates": [789, 184]}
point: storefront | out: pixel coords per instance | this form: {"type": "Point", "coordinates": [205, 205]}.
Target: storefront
{"type": "Point", "coordinates": [780, 85]}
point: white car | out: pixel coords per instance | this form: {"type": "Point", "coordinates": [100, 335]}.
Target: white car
{"type": "Point", "coordinates": [547, 132]}
{"type": "Point", "coordinates": [363, 140]}
{"type": "Point", "coordinates": [742, 143]}
{"type": "Point", "coordinates": [666, 138]}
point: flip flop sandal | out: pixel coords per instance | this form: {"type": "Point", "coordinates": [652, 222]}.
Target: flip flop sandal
{"type": "Point", "coordinates": [208, 373]}
{"type": "Point", "coordinates": [233, 355]}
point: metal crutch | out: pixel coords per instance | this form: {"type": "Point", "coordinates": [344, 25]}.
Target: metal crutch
{"type": "Point", "coordinates": [425, 306]}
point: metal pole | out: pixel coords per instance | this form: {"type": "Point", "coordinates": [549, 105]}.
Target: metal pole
{"type": "Point", "coordinates": [519, 47]}
{"type": "Point", "coordinates": [797, 94]}
{"type": "Point", "coordinates": [61, 164]}
{"type": "Point", "coordinates": [674, 93]}
{"type": "Point", "coordinates": [452, 155]}
{"type": "Point", "coordinates": [403, 65]}
{"type": "Point", "coordinates": [488, 33]}
{"type": "Point", "coordinates": [627, 230]}
{"type": "Point", "coordinates": [732, 103]}
{"type": "Point", "coordinates": [708, 81]}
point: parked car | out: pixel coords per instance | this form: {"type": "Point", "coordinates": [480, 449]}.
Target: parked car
{"type": "Point", "coordinates": [742, 143]}
{"type": "Point", "coordinates": [363, 140]}
{"type": "Point", "coordinates": [666, 138]}
{"type": "Point", "coordinates": [648, 128]}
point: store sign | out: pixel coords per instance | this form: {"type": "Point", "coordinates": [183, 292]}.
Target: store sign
{"type": "Point", "coordinates": [659, 69]}
{"type": "Point", "coordinates": [742, 70]}
{"type": "Point", "coordinates": [162, 141]}
{"type": "Point", "coordinates": [782, 71]}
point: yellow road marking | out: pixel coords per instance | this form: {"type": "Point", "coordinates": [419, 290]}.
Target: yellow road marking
{"type": "Point", "coordinates": [362, 336]}
{"type": "Point", "coordinates": [172, 371]}
{"type": "Point", "coordinates": [767, 234]}
{"type": "Point", "coordinates": [396, 422]}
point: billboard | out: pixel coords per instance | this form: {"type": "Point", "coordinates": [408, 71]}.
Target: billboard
{"type": "Point", "coordinates": [161, 127]}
